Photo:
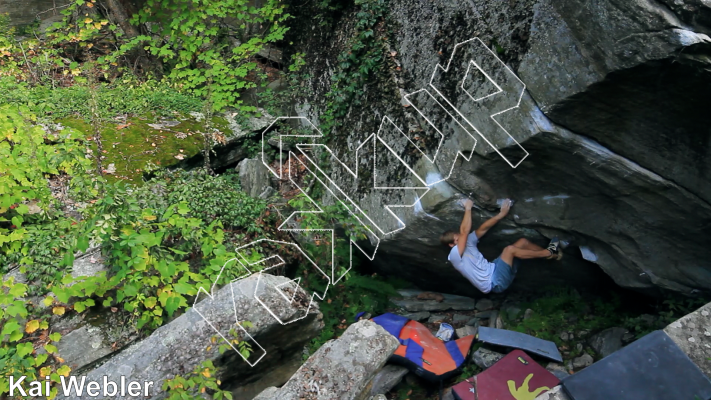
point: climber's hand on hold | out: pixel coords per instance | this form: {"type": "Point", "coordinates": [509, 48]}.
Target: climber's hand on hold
{"type": "Point", "coordinates": [505, 207]}
{"type": "Point", "coordinates": [468, 204]}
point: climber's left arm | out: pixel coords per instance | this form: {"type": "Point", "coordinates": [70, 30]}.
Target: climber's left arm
{"type": "Point", "coordinates": [488, 224]}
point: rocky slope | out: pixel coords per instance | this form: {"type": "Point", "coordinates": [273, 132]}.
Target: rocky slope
{"type": "Point", "coordinates": [610, 142]}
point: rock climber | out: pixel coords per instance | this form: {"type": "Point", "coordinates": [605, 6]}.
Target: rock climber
{"type": "Point", "coordinates": [493, 276]}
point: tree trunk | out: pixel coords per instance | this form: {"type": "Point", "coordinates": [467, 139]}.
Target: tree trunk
{"type": "Point", "coordinates": [122, 18]}
{"type": "Point", "coordinates": [121, 12]}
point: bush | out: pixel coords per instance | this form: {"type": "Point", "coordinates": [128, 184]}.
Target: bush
{"type": "Point", "coordinates": [123, 97]}
{"type": "Point", "coordinates": [208, 197]}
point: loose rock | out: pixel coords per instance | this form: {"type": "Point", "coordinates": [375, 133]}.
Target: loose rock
{"type": "Point", "coordinates": [434, 318]}
{"type": "Point", "coordinates": [341, 368]}
{"type": "Point", "coordinates": [528, 314]}
{"type": "Point", "coordinates": [183, 343]}
{"type": "Point", "coordinates": [387, 378]}
{"type": "Point", "coordinates": [418, 316]}
{"type": "Point", "coordinates": [583, 361]}
{"type": "Point", "coordinates": [696, 326]}
{"type": "Point", "coordinates": [492, 320]}
{"type": "Point", "coordinates": [484, 304]}
{"type": "Point", "coordinates": [460, 318]}
{"type": "Point", "coordinates": [608, 341]}
{"type": "Point", "coordinates": [485, 358]}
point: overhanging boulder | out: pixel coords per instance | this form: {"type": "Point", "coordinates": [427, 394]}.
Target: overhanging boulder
{"type": "Point", "coordinates": [613, 121]}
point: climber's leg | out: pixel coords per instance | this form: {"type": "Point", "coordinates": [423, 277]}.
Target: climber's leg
{"type": "Point", "coordinates": [511, 252]}
{"type": "Point", "coordinates": [527, 245]}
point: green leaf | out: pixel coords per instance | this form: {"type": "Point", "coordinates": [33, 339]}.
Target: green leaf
{"type": "Point", "coordinates": [17, 308]}
{"type": "Point", "coordinates": [79, 307]}
{"type": "Point", "coordinates": [40, 359]}
{"type": "Point", "coordinates": [24, 349]}
{"type": "Point", "coordinates": [83, 243]}
{"type": "Point", "coordinates": [10, 327]}
{"type": "Point", "coordinates": [51, 349]}
{"type": "Point", "coordinates": [130, 289]}
{"type": "Point", "coordinates": [184, 288]}
{"type": "Point", "coordinates": [173, 304]}
{"type": "Point", "coordinates": [150, 302]}
{"type": "Point", "coordinates": [18, 290]}
{"type": "Point", "coordinates": [17, 220]}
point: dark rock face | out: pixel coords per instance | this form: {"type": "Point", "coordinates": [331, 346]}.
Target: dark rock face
{"type": "Point", "coordinates": [611, 133]}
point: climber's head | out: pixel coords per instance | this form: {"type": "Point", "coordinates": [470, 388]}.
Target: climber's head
{"type": "Point", "coordinates": [449, 238]}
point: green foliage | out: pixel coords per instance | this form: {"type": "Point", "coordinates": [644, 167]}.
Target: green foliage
{"type": "Point", "coordinates": [565, 308]}
{"type": "Point", "coordinates": [41, 257]}
{"type": "Point", "coordinates": [17, 349]}
{"type": "Point", "coordinates": [201, 379]}
{"type": "Point", "coordinates": [126, 96]}
{"type": "Point", "coordinates": [362, 57]}
{"type": "Point", "coordinates": [294, 88]}
{"type": "Point", "coordinates": [163, 240]}
{"type": "Point", "coordinates": [210, 198]}
{"type": "Point", "coordinates": [236, 341]}
{"type": "Point", "coordinates": [26, 159]}
{"type": "Point", "coordinates": [191, 40]}
{"type": "Point", "coordinates": [353, 293]}
{"type": "Point", "coordinates": [551, 312]}
{"type": "Point", "coordinates": [7, 32]}
{"type": "Point", "coordinates": [205, 48]}
{"type": "Point", "coordinates": [161, 249]}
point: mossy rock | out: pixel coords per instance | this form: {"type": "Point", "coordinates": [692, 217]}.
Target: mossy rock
{"type": "Point", "coordinates": [135, 143]}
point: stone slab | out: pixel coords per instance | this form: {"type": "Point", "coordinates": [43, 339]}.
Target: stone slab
{"type": "Point", "coordinates": [450, 302]}
{"type": "Point", "coordinates": [652, 368]}
{"type": "Point", "coordinates": [185, 342]}
{"type": "Point", "coordinates": [342, 368]}
{"type": "Point", "coordinates": [387, 378]}
{"type": "Point", "coordinates": [692, 333]}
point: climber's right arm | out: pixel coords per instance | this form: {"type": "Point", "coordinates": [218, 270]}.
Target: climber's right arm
{"type": "Point", "coordinates": [465, 227]}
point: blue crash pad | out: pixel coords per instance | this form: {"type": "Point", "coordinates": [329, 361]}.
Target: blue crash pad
{"type": "Point", "coordinates": [652, 368]}
{"type": "Point", "coordinates": [518, 340]}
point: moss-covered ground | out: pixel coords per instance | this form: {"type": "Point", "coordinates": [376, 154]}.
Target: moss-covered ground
{"type": "Point", "coordinates": [131, 144]}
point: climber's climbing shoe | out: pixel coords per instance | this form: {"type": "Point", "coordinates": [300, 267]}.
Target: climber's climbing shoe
{"type": "Point", "coordinates": [554, 248]}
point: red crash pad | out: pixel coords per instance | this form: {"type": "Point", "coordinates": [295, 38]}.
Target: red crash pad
{"type": "Point", "coordinates": [514, 377]}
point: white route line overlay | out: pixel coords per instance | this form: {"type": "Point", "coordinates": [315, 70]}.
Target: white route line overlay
{"type": "Point", "coordinates": [302, 149]}
{"type": "Point", "coordinates": [499, 91]}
